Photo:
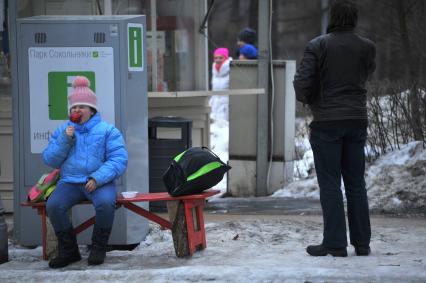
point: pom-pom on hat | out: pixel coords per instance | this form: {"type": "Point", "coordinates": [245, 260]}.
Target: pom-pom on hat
{"type": "Point", "coordinates": [82, 94]}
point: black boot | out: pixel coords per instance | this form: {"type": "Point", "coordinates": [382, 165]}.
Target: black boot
{"type": "Point", "coordinates": [362, 251]}
{"type": "Point", "coordinates": [320, 250]}
{"type": "Point", "coordinates": [67, 249]}
{"type": "Point", "coordinates": [100, 238]}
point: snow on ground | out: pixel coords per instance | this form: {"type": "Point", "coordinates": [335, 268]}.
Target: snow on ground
{"type": "Point", "coordinates": [244, 249]}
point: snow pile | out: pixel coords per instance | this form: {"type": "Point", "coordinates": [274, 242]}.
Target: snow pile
{"type": "Point", "coordinates": [307, 188]}
{"type": "Point", "coordinates": [396, 181]}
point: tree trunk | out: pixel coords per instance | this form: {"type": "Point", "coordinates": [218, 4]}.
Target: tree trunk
{"type": "Point", "coordinates": [412, 67]}
{"type": "Point", "coordinates": [253, 14]}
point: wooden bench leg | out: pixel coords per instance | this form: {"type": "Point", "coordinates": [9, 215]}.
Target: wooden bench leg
{"type": "Point", "coordinates": [42, 212]}
{"type": "Point", "coordinates": [200, 217]}
{"type": "Point", "coordinates": [196, 231]}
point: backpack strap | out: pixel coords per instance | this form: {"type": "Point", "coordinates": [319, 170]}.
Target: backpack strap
{"type": "Point", "coordinates": [214, 154]}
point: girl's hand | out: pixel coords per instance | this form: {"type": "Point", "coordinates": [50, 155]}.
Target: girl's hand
{"type": "Point", "coordinates": [91, 185]}
{"type": "Point", "coordinates": [70, 131]}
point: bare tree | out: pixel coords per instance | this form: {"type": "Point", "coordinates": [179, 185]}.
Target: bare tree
{"type": "Point", "coordinates": [253, 13]}
{"type": "Point", "coordinates": [404, 9]}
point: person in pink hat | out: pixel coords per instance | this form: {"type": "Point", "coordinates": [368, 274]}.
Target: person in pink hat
{"type": "Point", "coordinates": [91, 154]}
{"type": "Point", "coordinates": [220, 69]}
{"type": "Point", "coordinates": [220, 81]}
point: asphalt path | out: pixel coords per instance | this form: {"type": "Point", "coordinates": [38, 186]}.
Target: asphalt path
{"type": "Point", "coordinates": [263, 205]}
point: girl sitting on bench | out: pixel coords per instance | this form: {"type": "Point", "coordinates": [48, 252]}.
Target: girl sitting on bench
{"type": "Point", "coordinates": [91, 154]}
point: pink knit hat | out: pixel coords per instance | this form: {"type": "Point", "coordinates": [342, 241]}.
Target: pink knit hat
{"type": "Point", "coordinates": [222, 51]}
{"type": "Point", "coordinates": [82, 94]}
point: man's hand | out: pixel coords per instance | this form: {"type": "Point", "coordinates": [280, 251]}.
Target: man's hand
{"type": "Point", "coordinates": [70, 131]}
{"type": "Point", "coordinates": [91, 185]}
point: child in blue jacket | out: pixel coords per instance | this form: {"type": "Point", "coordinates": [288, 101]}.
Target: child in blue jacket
{"type": "Point", "coordinates": [91, 154]}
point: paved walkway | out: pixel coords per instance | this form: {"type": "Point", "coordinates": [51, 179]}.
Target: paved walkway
{"type": "Point", "coordinates": [264, 205]}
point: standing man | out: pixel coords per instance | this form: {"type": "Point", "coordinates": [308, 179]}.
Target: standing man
{"type": "Point", "coordinates": [331, 80]}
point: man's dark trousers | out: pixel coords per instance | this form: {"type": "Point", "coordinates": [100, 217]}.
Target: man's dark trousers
{"type": "Point", "coordinates": [339, 153]}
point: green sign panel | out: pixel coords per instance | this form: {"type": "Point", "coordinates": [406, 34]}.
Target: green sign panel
{"type": "Point", "coordinates": [59, 87]}
{"type": "Point", "coordinates": [135, 55]}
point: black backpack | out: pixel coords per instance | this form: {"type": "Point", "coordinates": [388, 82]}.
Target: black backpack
{"type": "Point", "coordinates": [193, 171]}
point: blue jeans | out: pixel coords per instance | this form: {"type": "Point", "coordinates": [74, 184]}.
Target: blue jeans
{"type": "Point", "coordinates": [66, 195]}
{"type": "Point", "coordinates": [339, 153]}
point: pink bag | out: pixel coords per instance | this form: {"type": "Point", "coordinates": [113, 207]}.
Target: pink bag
{"type": "Point", "coordinates": [44, 187]}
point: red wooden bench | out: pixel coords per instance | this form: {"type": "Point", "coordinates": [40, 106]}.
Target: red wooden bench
{"type": "Point", "coordinates": [196, 237]}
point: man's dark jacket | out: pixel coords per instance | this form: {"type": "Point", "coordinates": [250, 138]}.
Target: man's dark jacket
{"type": "Point", "coordinates": [332, 74]}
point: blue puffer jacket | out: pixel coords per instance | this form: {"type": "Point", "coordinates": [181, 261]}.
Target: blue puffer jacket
{"type": "Point", "coordinates": [97, 151]}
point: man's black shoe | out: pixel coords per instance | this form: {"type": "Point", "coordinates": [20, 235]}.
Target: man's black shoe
{"type": "Point", "coordinates": [320, 250]}
{"type": "Point", "coordinates": [362, 251]}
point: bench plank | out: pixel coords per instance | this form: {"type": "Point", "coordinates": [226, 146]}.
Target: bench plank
{"type": "Point", "coordinates": [141, 197]}
{"type": "Point", "coordinates": [165, 197]}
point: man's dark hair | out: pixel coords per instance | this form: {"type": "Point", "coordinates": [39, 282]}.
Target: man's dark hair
{"type": "Point", "coordinates": [343, 13]}
{"type": "Point", "coordinates": [248, 35]}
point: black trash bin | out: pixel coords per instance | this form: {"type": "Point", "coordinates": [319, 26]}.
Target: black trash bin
{"type": "Point", "coordinates": [168, 136]}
